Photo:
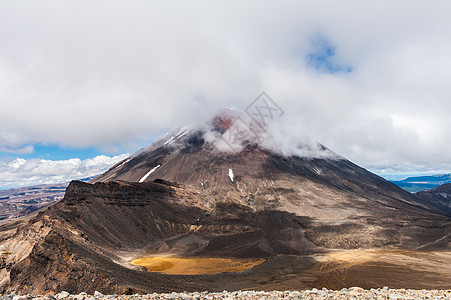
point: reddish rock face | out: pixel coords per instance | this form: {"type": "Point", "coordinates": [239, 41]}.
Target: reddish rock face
{"type": "Point", "coordinates": [223, 121]}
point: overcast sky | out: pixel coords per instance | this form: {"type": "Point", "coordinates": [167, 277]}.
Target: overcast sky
{"type": "Point", "coordinates": [370, 80]}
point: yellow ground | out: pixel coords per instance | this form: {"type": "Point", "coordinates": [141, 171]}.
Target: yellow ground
{"type": "Point", "coordinates": [195, 266]}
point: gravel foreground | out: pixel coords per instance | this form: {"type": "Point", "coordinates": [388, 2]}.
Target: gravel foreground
{"type": "Point", "coordinates": [350, 293]}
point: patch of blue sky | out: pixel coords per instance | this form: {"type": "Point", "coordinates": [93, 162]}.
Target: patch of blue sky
{"type": "Point", "coordinates": [323, 58]}
{"type": "Point", "coordinates": [55, 152]}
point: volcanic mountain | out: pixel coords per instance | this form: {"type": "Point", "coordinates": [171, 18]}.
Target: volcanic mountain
{"type": "Point", "coordinates": [439, 197]}
{"type": "Point", "coordinates": [223, 190]}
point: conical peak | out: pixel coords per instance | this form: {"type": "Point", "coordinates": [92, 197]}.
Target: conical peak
{"type": "Point", "coordinates": [232, 132]}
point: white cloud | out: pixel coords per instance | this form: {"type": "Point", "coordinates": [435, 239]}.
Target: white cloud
{"type": "Point", "coordinates": [22, 172]}
{"type": "Point", "coordinates": [104, 74]}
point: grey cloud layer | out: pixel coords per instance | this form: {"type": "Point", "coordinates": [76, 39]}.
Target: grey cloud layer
{"type": "Point", "coordinates": [106, 73]}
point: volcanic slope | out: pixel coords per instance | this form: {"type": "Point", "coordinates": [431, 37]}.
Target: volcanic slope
{"type": "Point", "coordinates": [184, 197]}
{"type": "Point", "coordinates": [439, 197]}
{"type": "Point", "coordinates": [338, 198]}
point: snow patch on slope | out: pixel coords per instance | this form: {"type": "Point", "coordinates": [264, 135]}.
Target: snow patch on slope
{"type": "Point", "coordinates": [167, 139]}
{"type": "Point", "coordinates": [231, 175]}
{"type": "Point", "coordinates": [148, 173]}
{"type": "Point", "coordinates": [184, 130]}
{"type": "Point", "coordinates": [123, 163]}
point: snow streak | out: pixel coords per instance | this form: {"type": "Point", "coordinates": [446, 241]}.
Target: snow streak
{"type": "Point", "coordinates": [231, 175]}
{"type": "Point", "coordinates": [148, 173]}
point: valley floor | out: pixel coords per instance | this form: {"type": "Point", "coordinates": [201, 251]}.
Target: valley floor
{"type": "Point", "coordinates": [410, 269]}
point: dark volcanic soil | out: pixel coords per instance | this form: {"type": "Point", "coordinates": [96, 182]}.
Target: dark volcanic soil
{"type": "Point", "coordinates": [86, 243]}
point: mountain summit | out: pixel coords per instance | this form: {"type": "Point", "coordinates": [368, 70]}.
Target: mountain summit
{"type": "Point", "coordinates": [236, 160]}
{"type": "Point", "coordinates": [226, 190]}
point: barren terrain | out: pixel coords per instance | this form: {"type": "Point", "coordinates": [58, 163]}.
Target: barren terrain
{"type": "Point", "coordinates": [311, 222]}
